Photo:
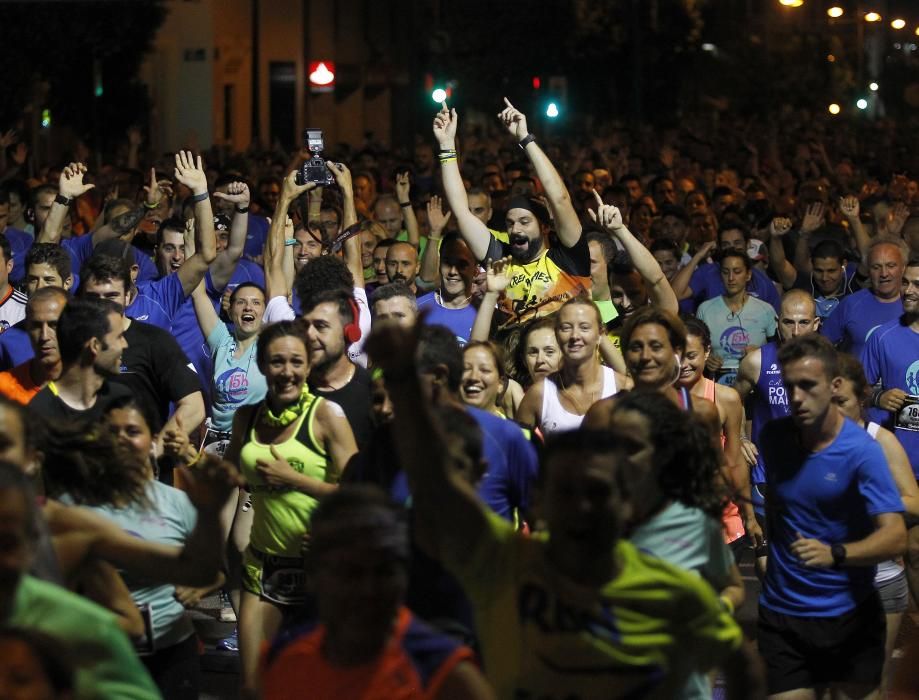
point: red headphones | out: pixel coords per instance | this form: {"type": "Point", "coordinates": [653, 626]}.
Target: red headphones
{"type": "Point", "coordinates": [353, 329]}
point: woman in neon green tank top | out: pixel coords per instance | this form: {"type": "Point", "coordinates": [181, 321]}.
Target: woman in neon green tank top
{"type": "Point", "coordinates": [291, 449]}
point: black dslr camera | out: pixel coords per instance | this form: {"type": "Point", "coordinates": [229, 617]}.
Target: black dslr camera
{"type": "Point", "coordinates": [314, 170]}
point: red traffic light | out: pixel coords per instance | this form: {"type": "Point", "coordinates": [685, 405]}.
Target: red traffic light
{"type": "Point", "coordinates": [537, 82]}
{"type": "Point", "coordinates": [322, 76]}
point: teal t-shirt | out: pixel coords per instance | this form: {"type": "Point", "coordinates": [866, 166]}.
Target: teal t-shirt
{"type": "Point", "coordinates": [106, 665]}
{"type": "Point", "coordinates": [734, 333]}
{"type": "Point", "coordinates": [169, 519]}
{"type": "Point", "coordinates": [237, 380]}
{"type": "Point", "coordinates": [692, 540]}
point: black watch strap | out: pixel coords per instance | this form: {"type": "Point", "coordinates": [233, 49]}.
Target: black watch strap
{"type": "Point", "coordinates": [839, 555]}
{"type": "Point", "coordinates": [61, 199]}
{"type": "Point", "coordinates": [242, 210]}
{"type": "Point", "coordinates": [529, 138]}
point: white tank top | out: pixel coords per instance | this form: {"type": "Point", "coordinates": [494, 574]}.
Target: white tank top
{"type": "Point", "coordinates": [554, 418]}
{"type": "Point", "coordinates": [889, 569]}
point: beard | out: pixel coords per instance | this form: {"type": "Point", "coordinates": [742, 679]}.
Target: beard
{"type": "Point", "coordinates": [524, 255]}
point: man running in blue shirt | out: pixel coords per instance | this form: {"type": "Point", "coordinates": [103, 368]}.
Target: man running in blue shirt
{"type": "Point", "coordinates": [832, 513]}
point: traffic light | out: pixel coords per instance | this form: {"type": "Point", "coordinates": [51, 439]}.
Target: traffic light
{"type": "Point", "coordinates": [552, 110]}
{"type": "Point", "coordinates": [321, 76]}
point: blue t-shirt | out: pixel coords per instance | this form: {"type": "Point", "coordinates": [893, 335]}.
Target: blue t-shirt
{"type": "Point", "coordinates": [15, 347]}
{"type": "Point", "coordinates": [832, 496]}
{"type": "Point", "coordinates": [169, 519]}
{"type": "Point", "coordinates": [706, 284]}
{"type": "Point", "coordinates": [256, 235]}
{"type": "Point", "coordinates": [20, 244]}
{"type": "Point", "coordinates": [457, 320]}
{"type": "Point", "coordinates": [769, 402]}
{"type": "Point", "coordinates": [891, 355]}
{"type": "Point", "coordinates": [81, 248]}
{"type": "Point", "coordinates": [237, 381]}
{"type": "Point", "coordinates": [512, 466]}
{"type": "Point", "coordinates": [157, 302]}
{"type": "Point", "coordinates": [856, 318]}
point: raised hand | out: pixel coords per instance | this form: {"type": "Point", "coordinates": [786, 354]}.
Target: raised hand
{"type": "Point", "coordinates": [190, 172]}
{"type": "Point", "coordinates": [779, 226]}
{"type": "Point", "coordinates": [849, 206]}
{"type": "Point", "coordinates": [514, 120]}
{"type": "Point", "coordinates": [496, 279]}
{"type": "Point", "coordinates": [437, 219]}
{"type": "Point", "coordinates": [813, 218]}
{"type": "Point", "coordinates": [71, 184]}
{"type": "Point", "coordinates": [607, 215]}
{"type": "Point", "coordinates": [896, 218]}
{"type": "Point", "coordinates": [7, 138]}
{"type": "Point", "coordinates": [342, 176]}
{"type": "Point", "coordinates": [402, 186]}
{"type": "Point", "coordinates": [157, 189]}
{"type": "Point", "coordinates": [445, 122]}
{"type": "Point", "coordinates": [237, 192]}
{"type": "Point", "coordinates": [290, 189]}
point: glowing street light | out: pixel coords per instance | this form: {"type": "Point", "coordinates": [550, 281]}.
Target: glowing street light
{"type": "Point", "coordinates": [552, 110]}
{"type": "Point", "coordinates": [862, 103]}
{"type": "Point", "coordinates": [835, 12]}
{"type": "Point", "coordinates": [834, 108]}
{"type": "Point", "coordinates": [439, 95]}
{"type": "Point", "coordinates": [873, 87]}
{"type": "Point", "coordinates": [898, 23]}
{"type": "Point", "coordinates": [872, 17]}
{"type": "Point", "coordinates": [791, 3]}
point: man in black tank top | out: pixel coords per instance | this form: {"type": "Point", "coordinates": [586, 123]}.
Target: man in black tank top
{"type": "Point", "coordinates": [331, 322]}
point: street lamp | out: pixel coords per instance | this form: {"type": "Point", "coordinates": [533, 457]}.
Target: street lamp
{"type": "Point", "coordinates": [862, 103]}
{"type": "Point", "coordinates": [898, 23]}
{"type": "Point", "coordinates": [835, 12]}
{"type": "Point", "coordinates": [834, 108]}
{"type": "Point", "coordinates": [872, 17]}
{"type": "Point", "coordinates": [791, 3]}
{"type": "Point", "coordinates": [873, 87]}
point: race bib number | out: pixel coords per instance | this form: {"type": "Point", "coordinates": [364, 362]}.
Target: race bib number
{"type": "Point", "coordinates": [283, 581]}
{"type": "Point", "coordinates": [908, 416]}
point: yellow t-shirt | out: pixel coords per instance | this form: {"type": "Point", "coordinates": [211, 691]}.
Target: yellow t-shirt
{"type": "Point", "coordinates": [543, 636]}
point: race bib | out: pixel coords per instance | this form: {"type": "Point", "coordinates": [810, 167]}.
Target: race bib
{"type": "Point", "coordinates": [283, 580]}
{"type": "Point", "coordinates": [908, 416]}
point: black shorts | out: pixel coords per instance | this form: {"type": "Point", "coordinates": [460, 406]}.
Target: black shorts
{"type": "Point", "coordinates": [813, 652]}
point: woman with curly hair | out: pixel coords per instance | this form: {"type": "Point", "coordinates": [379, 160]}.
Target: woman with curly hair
{"type": "Point", "coordinates": [671, 473]}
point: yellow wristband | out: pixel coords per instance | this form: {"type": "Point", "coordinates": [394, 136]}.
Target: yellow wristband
{"type": "Point", "coordinates": [728, 605]}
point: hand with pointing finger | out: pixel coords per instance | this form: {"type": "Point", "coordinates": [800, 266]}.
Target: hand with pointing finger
{"type": "Point", "coordinates": [445, 122]}
{"type": "Point", "coordinates": [514, 120]}
{"type": "Point", "coordinates": [275, 472]}
{"type": "Point", "coordinates": [607, 215]}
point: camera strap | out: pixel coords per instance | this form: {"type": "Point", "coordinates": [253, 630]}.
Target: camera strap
{"type": "Point", "coordinates": [340, 239]}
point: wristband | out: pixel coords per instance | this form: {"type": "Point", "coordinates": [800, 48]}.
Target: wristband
{"type": "Point", "coordinates": [147, 205]}
{"type": "Point", "coordinates": [198, 197]}
{"type": "Point", "coordinates": [61, 199]}
{"type": "Point", "coordinates": [290, 241]}
{"type": "Point", "coordinates": [726, 604]}
{"type": "Point", "coordinates": [405, 204]}
{"type": "Point", "coordinates": [876, 396]}
{"type": "Point", "coordinates": [526, 140]}
{"type": "Point", "coordinates": [242, 210]}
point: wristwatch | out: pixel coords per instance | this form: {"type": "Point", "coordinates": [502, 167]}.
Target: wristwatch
{"type": "Point", "coordinates": [528, 139]}
{"type": "Point", "coordinates": [61, 199]}
{"type": "Point", "coordinates": [839, 555]}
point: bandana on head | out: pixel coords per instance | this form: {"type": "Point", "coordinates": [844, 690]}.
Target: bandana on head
{"type": "Point", "coordinates": [531, 205]}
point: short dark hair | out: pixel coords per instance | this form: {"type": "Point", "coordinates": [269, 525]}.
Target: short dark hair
{"type": "Point", "coordinates": [244, 285]}
{"type": "Point", "coordinates": [173, 223]}
{"type": "Point", "coordinates": [341, 298]}
{"type": "Point", "coordinates": [733, 224]}
{"type": "Point", "coordinates": [50, 254]}
{"type": "Point", "coordinates": [581, 440]}
{"type": "Point", "coordinates": [725, 254]}
{"type": "Point", "coordinates": [607, 247]}
{"type": "Point", "coordinates": [81, 320]}
{"type": "Point", "coordinates": [325, 273]}
{"type": "Point", "coordinates": [391, 290]}
{"type": "Point", "coordinates": [811, 345]}
{"type": "Point", "coordinates": [829, 249]}
{"type": "Point", "coordinates": [273, 331]}
{"type": "Point", "coordinates": [852, 369]}
{"type": "Point", "coordinates": [437, 345]}
{"type": "Point", "coordinates": [665, 244]}
{"type": "Point", "coordinates": [105, 268]}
